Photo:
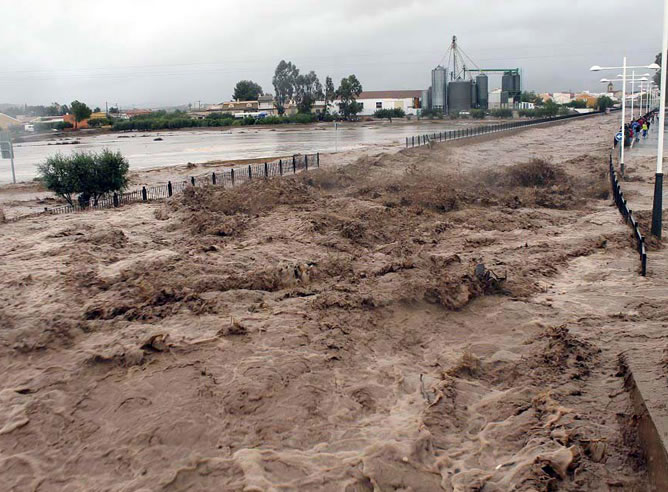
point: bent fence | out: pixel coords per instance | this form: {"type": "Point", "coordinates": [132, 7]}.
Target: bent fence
{"type": "Point", "coordinates": [225, 178]}
{"type": "Point", "coordinates": [627, 213]}
{"type": "Point", "coordinates": [468, 132]}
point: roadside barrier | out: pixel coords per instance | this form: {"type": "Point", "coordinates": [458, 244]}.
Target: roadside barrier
{"type": "Point", "coordinates": [469, 132]}
{"type": "Point", "coordinates": [226, 178]}
{"type": "Point", "coordinates": [622, 205]}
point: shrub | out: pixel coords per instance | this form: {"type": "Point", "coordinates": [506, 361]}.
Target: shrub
{"type": "Point", "coordinates": [502, 113]}
{"type": "Point", "coordinates": [303, 118]}
{"type": "Point", "coordinates": [478, 114]}
{"type": "Point", "coordinates": [389, 113]}
{"type": "Point", "coordinates": [97, 122]}
{"type": "Point", "coordinates": [88, 174]}
{"type": "Point", "coordinates": [528, 113]}
{"type": "Point", "coordinates": [455, 115]}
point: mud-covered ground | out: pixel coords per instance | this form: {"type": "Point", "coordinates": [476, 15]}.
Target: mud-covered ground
{"type": "Point", "coordinates": [335, 330]}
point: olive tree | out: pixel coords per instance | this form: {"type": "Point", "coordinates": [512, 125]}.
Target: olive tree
{"type": "Point", "coordinates": [89, 175]}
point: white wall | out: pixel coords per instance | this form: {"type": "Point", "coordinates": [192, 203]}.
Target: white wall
{"type": "Point", "coordinates": [370, 108]}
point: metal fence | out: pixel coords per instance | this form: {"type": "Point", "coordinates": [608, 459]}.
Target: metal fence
{"type": "Point", "coordinates": [226, 178]}
{"type": "Point", "coordinates": [627, 213]}
{"type": "Point", "coordinates": [476, 131]}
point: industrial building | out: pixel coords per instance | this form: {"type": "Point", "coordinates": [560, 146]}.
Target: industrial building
{"type": "Point", "coordinates": [371, 101]}
{"type": "Point", "coordinates": [454, 88]}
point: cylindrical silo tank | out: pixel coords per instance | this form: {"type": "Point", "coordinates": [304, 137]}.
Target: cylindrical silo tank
{"type": "Point", "coordinates": [474, 95]}
{"type": "Point", "coordinates": [438, 87]}
{"type": "Point", "coordinates": [424, 102]}
{"type": "Point", "coordinates": [459, 95]}
{"type": "Point", "coordinates": [507, 83]}
{"type": "Point", "coordinates": [517, 85]}
{"type": "Point", "coordinates": [482, 89]}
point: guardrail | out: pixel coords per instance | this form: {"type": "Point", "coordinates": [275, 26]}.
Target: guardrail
{"type": "Point", "coordinates": [627, 213]}
{"type": "Point", "coordinates": [469, 132]}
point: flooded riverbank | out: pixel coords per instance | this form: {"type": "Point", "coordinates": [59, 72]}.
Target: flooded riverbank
{"type": "Point", "coordinates": [180, 147]}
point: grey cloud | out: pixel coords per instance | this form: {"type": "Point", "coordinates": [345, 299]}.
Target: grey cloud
{"type": "Point", "coordinates": [165, 52]}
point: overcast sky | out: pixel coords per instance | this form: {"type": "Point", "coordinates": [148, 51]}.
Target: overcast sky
{"type": "Point", "coordinates": [165, 52]}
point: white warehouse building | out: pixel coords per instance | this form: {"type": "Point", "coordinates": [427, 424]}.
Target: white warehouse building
{"type": "Point", "coordinates": [372, 101]}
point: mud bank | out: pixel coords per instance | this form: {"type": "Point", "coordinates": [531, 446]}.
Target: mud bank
{"type": "Point", "coordinates": [329, 331]}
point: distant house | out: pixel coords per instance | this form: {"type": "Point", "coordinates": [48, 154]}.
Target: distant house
{"type": "Point", "coordinates": [131, 113]}
{"type": "Point", "coordinates": [6, 121]}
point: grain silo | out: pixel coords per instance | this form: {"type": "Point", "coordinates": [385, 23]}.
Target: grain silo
{"type": "Point", "coordinates": [459, 95]}
{"type": "Point", "coordinates": [482, 89]}
{"type": "Point", "coordinates": [424, 102]}
{"type": "Point", "coordinates": [438, 87]}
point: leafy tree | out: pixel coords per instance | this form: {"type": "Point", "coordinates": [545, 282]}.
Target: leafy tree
{"type": "Point", "coordinates": [80, 112]}
{"type": "Point", "coordinates": [88, 174]}
{"type": "Point", "coordinates": [247, 90]}
{"type": "Point", "coordinates": [308, 90]}
{"type": "Point", "coordinates": [97, 109]}
{"type": "Point", "coordinates": [530, 97]}
{"type": "Point", "coordinates": [113, 110]}
{"type": "Point", "coordinates": [563, 110]}
{"type": "Point", "coordinates": [577, 103]}
{"type": "Point", "coordinates": [348, 91]}
{"type": "Point", "coordinates": [550, 108]}
{"type": "Point", "coordinates": [603, 103]}
{"type": "Point", "coordinates": [64, 109]}
{"type": "Point", "coordinates": [329, 93]}
{"type": "Point", "coordinates": [284, 81]}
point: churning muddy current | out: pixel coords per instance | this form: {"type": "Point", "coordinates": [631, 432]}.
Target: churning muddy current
{"type": "Point", "coordinates": [382, 325]}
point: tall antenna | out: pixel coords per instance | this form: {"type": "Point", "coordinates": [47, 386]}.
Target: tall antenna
{"type": "Point", "coordinates": [457, 61]}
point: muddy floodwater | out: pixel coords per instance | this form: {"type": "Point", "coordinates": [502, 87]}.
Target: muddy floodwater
{"type": "Point", "coordinates": [180, 147]}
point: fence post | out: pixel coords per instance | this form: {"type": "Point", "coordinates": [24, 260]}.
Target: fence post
{"type": "Point", "coordinates": [250, 173]}
{"type": "Point", "coordinates": [169, 188]}
{"type": "Point", "coordinates": [266, 171]}
{"type": "Point", "coordinates": [213, 177]}
{"type": "Point", "coordinates": [192, 180]}
{"type": "Point", "coordinates": [406, 142]}
{"type": "Point", "coordinates": [143, 193]}
{"type": "Point", "coordinates": [317, 159]}
{"type": "Point", "coordinates": [115, 200]}
{"type": "Point", "coordinates": [306, 161]}
{"type": "Point", "coordinates": [294, 165]}
{"type": "Point", "coordinates": [280, 167]}
{"type": "Point", "coordinates": [232, 175]}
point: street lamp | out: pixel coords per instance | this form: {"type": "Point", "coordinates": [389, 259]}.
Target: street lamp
{"type": "Point", "coordinates": [633, 90]}
{"type": "Point", "coordinates": [624, 96]}
{"type": "Point", "coordinates": [597, 68]}
{"type": "Point", "coordinates": [657, 207]}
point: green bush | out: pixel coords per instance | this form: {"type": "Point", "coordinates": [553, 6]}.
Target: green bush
{"type": "Point", "coordinates": [478, 114]}
{"type": "Point", "coordinates": [455, 115]}
{"type": "Point", "coordinates": [527, 113]}
{"type": "Point", "coordinates": [502, 113]}
{"type": "Point", "coordinates": [98, 122]}
{"type": "Point", "coordinates": [88, 174]}
{"type": "Point", "coordinates": [303, 118]}
{"type": "Point", "coordinates": [389, 113]}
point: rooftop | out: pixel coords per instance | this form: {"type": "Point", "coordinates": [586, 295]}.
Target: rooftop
{"type": "Point", "coordinates": [389, 94]}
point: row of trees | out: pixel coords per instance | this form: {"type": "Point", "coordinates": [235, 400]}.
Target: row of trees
{"type": "Point", "coordinates": [304, 89]}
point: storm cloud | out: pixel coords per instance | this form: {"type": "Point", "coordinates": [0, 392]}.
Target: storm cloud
{"type": "Point", "coordinates": [155, 53]}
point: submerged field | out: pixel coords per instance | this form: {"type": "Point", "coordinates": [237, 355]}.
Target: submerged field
{"type": "Point", "coordinates": [410, 321]}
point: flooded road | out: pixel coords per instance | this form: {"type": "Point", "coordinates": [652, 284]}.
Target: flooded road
{"type": "Point", "coordinates": [180, 147]}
